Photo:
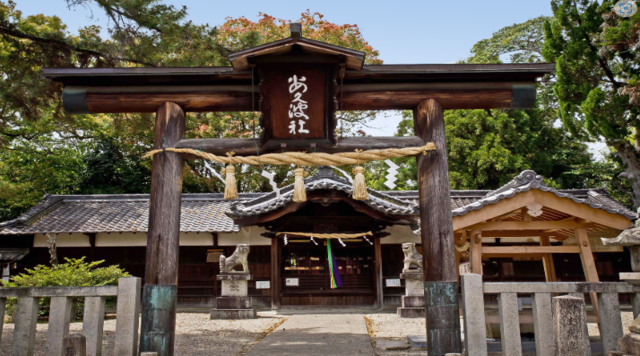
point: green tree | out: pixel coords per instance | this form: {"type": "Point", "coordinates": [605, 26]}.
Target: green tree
{"type": "Point", "coordinates": [598, 77]}
{"type": "Point", "coordinates": [43, 148]}
{"type": "Point", "coordinates": [487, 148]}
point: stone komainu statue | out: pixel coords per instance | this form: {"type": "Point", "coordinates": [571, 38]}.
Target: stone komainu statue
{"type": "Point", "coordinates": [411, 257]}
{"type": "Point", "coordinates": [239, 257]}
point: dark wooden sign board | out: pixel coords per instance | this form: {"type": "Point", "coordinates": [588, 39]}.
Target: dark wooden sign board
{"type": "Point", "coordinates": [298, 104]}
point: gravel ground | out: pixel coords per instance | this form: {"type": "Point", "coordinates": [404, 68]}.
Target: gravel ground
{"type": "Point", "coordinates": [389, 326]}
{"type": "Point", "coordinates": [196, 335]}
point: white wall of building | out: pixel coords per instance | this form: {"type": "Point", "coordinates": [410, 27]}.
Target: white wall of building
{"type": "Point", "coordinates": [63, 240]}
{"type": "Point", "coordinates": [399, 234]}
{"type": "Point", "coordinates": [250, 235]}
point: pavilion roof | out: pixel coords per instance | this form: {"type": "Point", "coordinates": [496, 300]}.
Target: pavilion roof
{"type": "Point", "coordinates": [527, 180]}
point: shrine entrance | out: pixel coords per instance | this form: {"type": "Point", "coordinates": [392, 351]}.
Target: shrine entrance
{"type": "Point", "coordinates": [307, 279]}
{"type": "Point", "coordinates": [305, 270]}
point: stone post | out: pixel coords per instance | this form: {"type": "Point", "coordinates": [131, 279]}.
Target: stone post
{"type": "Point", "coordinates": [630, 343]}
{"type": "Point", "coordinates": [75, 345]}
{"type": "Point", "coordinates": [413, 300]}
{"type": "Point", "coordinates": [413, 305]}
{"type": "Point", "coordinates": [569, 334]}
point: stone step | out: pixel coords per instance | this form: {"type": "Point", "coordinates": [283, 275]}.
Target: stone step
{"type": "Point", "coordinates": [233, 314]}
{"type": "Point", "coordinates": [411, 312]}
{"type": "Point", "coordinates": [412, 302]}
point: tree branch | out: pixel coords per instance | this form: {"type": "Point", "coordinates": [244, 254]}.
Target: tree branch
{"type": "Point", "coordinates": [594, 50]}
{"type": "Point", "coordinates": [7, 29]}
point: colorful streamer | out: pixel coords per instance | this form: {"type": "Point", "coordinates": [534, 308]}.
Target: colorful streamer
{"type": "Point", "coordinates": [336, 281]}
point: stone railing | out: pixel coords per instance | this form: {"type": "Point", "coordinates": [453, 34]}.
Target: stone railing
{"type": "Point", "coordinates": [473, 291]}
{"type": "Point", "coordinates": [25, 317]}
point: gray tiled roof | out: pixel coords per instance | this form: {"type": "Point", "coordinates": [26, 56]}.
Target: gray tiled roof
{"type": "Point", "coordinates": [119, 213]}
{"type": "Point", "coordinates": [527, 180]}
{"type": "Point", "coordinates": [210, 213]}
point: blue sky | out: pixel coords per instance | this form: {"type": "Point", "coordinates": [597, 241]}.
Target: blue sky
{"type": "Point", "coordinates": [403, 31]}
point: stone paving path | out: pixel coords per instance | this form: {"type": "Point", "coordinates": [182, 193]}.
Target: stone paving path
{"type": "Point", "coordinates": [317, 335]}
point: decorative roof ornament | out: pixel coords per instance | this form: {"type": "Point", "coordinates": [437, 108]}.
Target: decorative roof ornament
{"type": "Point", "coordinates": [628, 237]}
{"type": "Point", "coordinates": [534, 210]}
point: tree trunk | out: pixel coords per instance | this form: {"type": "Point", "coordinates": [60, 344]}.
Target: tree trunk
{"type": "Point", "coordinates": [627, 153]}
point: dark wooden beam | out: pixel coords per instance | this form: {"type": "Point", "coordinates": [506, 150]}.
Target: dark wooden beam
{"type": "Point", "coordinates": [92, 242]}
{"type": "Point", "coordinates": [275, 274]}
{"type": "Point", "coordinates": [377, 246]}
{"type": "Point", "coordinates": [247, 146]}
{"type": "Point", "coordinates": [161, 271]}
{"type": "Point", "coordinates": [224, 97]}
{"type": "Point", "coordinates": [440, 276]}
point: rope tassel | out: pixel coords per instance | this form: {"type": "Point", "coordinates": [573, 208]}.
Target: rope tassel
{"type": "Point", "coordinates": [359, 184]}
{"type": "Point", "coordinates": [230, 185]}
{"type": "Point", "coordinates": [299, 194]}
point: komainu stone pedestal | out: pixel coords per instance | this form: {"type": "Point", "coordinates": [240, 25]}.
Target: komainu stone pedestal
{"type": "Point", "coordinates": [413, 300]}
{"type": "Point", "coordinates": [234, 302]}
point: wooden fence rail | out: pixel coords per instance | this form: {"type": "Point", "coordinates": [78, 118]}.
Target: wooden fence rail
{"type": "Point", "coordinates": [26, 316]}
{"type": "Point", "coordinates": [541, 293]}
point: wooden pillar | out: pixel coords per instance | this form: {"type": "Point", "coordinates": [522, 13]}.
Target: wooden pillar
{"type": "Point", "coordinates": [436, 224]}
{"type": "Point", "coordinates": [588, 264]}
{"type": "Point", "coordinates": [275, 273]}
{"type": "Point", "coordinates": [476, 252]}
{"type": "Point", "coordinates": [547, 261]}
{"type": "Point", "coordinates": [161, 271]}
{"type": "Point", "coordinates": [378, 271]}
{"type": "Point", "coordinates": [92, 242]}
{"type": "Point", "coordinates": [458, 258]}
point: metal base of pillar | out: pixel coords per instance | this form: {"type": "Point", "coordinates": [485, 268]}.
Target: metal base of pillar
{"type": "Point", "coordinates": [158, 319]}
{"type": "Point", "coordinates": [443, 318]}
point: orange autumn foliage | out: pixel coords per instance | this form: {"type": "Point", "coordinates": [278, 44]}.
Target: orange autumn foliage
{"type": "Point", "coordinates": [240, 33]}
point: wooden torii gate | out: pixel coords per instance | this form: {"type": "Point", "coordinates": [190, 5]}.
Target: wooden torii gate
{"type": "Point", "coordinates": [336, 79]}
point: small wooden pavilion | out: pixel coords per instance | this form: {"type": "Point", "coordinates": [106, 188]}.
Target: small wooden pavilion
{"type": "Point", "coordinates": [527, 208]}
{"type": "Point", "coordinates": [261, 79]}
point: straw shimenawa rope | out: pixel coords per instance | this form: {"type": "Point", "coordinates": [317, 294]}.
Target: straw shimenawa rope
{"type": "Point", "coordinates": [326, 236]}
{"type": "Point", "coordinates": [303, 158]}
{"type": "Point", "coordinates": [463, 248]}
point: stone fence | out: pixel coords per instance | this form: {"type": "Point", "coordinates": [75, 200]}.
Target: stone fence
{"type": "Point", "coordinates": [26, 316]}
{"type": "Point", "coordinates": [475, 332]}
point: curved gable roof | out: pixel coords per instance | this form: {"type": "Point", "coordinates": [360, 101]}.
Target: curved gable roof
{"type": "Point", "coordinates": [324, 179]}
{"type": "Point", "coordinates": [527, 180]}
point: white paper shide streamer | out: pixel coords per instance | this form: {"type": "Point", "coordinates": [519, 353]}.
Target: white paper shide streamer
{"type": "Point", "coordinates": [213, 171]}
{"type": "Point", "coordinates": [391, 174]}
{"type": "Point", "coordinates": [270, 176]}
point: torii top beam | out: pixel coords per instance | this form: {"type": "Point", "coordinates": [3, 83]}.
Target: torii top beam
{"type": "Point", "coordinates": [366, 87]}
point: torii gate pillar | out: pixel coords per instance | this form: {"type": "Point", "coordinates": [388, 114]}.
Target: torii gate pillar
{"type": "Point", "coordinates": [436, 224]}
{"type": "Point", "coordinates": [159, 296]}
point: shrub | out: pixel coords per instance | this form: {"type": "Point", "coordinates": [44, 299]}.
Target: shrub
{"type": "Point", "coordinates": [72, 273]}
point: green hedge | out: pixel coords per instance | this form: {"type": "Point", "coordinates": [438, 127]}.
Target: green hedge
{"type": "Point", "coordinates": [72, 273]}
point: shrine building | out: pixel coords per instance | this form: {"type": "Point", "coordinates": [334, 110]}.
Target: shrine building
{"type": "Point", "coordinates": [113, 228]}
